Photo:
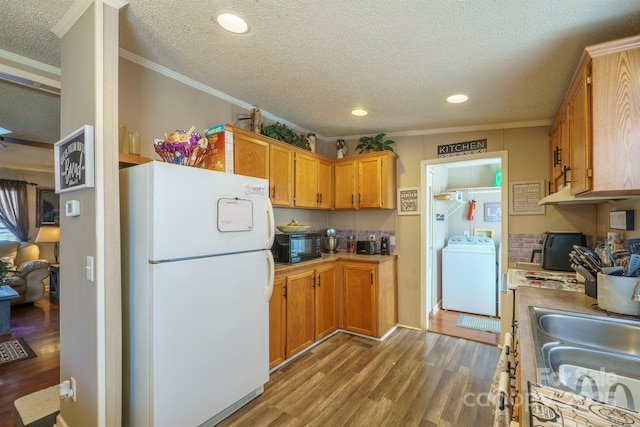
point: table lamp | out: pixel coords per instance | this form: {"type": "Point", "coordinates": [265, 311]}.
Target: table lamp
{"type": "Point", "coordinates": [50, 235]}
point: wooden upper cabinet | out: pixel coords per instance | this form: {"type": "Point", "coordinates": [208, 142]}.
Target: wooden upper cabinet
{"type": "Point", "coordinates": [250, 154]}
{"type": "Point", "coordinates": [559, 154]}
{"type": "Point", "coordinates": [345, 183]}
{"type": "Point", "coordinates": [306, 181]}
{"type": "Point", "coordinates": [370, 183]}
{"type": "Point", "coordinates": [325, 184]}
{"type": "Point", "coordinates": [366, 181]}
{"type": "Point", "coordinates": [580, 133]}
{"type": "Point", "coordinates": [298, 178]}
{"type": "Point", "coordinates": [615, 110]}
{"type": "Point", "coordinates": [281, 175]}
{"type": "Point", "coordinates": [602, 106]}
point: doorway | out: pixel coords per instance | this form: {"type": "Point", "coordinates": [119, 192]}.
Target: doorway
{"type": "Point", "coordinates": [439, 215]}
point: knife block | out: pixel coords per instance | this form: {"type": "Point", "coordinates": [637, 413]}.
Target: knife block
{"type": "Point", "coordinates": [591, 288]}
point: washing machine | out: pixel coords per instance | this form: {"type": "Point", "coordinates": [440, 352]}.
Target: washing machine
{"type": "Point", "coordinates": [469, 275]}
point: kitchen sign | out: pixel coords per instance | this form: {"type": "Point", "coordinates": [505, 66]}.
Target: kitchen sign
{"type": "Point", "coordinates": [462, 148]}
{"type": "Point", "coordinates": [73, 157]}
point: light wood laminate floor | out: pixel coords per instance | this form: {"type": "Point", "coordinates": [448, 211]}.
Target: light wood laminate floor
{"type": "Point", "coordinates": [413, 378]}
{"type": "Point", "coordinates": [444, 322]}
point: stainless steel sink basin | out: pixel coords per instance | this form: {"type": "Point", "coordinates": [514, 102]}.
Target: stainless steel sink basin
{"type": "Point", "coordinates": [606, 333]}
{"type": "Point", "coordinates": [595, 356]}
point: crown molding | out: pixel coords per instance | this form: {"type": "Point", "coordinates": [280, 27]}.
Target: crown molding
{"type": "Point", "coordinates": [143, 62]}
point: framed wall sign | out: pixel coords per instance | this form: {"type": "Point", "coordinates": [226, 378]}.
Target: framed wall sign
{"type": "Point", "coordinates": [524, 198]}
{"type": "Point", "coordinates": [492, 212]}
{"type": "Point", "coordinates": [73, 157]}
{"type": "Point", "coordinates": [409, 201]}
{"type": "Point", "coordinates": [621, 220]}
{"type": "Point", "coordinates": [47, 207]}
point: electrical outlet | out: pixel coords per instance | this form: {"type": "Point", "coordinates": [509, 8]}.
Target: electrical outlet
{"type": "Point", "coordinates": [466, 233]}
{"type": "Point", "coordinates": [74, 389]}
{"type": "Point", "coordinates": [372, 237]}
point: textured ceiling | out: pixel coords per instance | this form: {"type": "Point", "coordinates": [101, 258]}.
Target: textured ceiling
{"type": "Point", "coordinates": [311, 62]}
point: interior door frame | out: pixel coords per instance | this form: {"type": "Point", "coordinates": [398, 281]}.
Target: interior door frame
{"type": "Point", "coordinates": [428, 256]}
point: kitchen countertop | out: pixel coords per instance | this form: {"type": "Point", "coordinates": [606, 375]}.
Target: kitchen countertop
{"type": "Point", "coordinates": [547, 298]}
{"type": "Point", "coordinates": [338, 256]}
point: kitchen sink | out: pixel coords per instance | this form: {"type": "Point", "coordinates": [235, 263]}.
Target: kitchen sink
{"type": "Point", "coordinates": [594, 331]}
{"type": "Point", "coordinates": [595, 356]}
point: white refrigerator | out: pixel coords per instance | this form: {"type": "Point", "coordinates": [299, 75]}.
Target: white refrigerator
{"type": "Point", "coordinates": [197, 279]}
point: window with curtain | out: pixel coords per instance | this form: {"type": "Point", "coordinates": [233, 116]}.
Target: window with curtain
{"type": "Point", "coordinates": [5, 234]}
{"type": "Point", "coordinates": [14, 210]}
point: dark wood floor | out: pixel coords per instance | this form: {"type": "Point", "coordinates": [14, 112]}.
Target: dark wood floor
{"type": "Point", "coordinates": [413, 378]}
{"type": "Point", "coordinates": [444, 322]}
{"type": "Point", "coordinates": [39, 325]}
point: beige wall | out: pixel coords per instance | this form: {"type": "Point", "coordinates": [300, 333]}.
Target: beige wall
{"type": "Point", "coordinates": [528, 160]}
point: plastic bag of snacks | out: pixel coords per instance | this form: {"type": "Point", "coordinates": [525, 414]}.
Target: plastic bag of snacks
{"type": "Point", "coordinates": [183, 148]}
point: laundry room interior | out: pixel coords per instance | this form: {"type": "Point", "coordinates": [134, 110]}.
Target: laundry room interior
{"type": "Point", "coordinates": [465, 202]}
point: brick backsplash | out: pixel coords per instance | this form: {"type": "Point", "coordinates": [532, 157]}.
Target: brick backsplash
{"type": "Point", "coordinates": [522, 244]}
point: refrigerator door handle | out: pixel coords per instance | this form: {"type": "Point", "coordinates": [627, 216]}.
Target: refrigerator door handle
{"type": "Point", "coordinates": [270, 224]}
{"type": "Point", "coordinates": [271, 266]}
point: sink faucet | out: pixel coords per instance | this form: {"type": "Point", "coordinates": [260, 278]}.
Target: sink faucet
{"type": "Point", "coordinates": [636, 292]}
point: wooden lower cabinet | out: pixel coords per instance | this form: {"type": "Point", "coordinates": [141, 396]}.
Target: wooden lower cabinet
{"type": "Point", "coordinates": [310, 302]}
{"type": "Point", "coordinates": [300, 311]}
{"type": "Point", "coordinates": [277, 323]}
{"type": "Point", "coordinates": [325, 301]}
{"type": "Point", "coordinates": [359, 291]}
{"type": "Point", "coordinates": [369, 297]}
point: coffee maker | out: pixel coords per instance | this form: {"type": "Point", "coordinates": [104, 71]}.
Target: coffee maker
{"type": "Point", "coordinates": [384, 246]}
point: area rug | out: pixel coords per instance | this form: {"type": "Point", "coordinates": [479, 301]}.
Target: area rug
{"type": "Point", "coordinates": [15, 350]}
{"type": "Point", "coordinates": [478, 323]}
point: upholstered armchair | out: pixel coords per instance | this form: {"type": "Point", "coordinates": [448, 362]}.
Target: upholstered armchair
{"type": "Point", "coordinates": [29, 271]}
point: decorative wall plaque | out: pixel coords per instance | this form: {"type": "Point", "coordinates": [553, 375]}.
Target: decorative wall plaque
{"type": "Point", "coordinates": [73, 157]}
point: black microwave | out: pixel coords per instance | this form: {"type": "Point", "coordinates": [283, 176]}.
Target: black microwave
{"type": "Point", "coordinates": [293, 248]}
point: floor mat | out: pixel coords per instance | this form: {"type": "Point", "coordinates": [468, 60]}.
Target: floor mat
{"type": "Point", "coordinates": [478, 323]}
{"type": "Point", "coordinates": [14, 350]}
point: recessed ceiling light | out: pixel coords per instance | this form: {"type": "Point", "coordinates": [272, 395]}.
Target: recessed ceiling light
{"type": "Point", "coordinates": [232, 23]}
{"type": "Point", "coordinates": [457, 99]}
{"type": "Point", "coordinates": [359, 112]}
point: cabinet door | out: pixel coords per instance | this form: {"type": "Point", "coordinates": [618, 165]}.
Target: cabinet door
{"type": "Point", "coordinates": [345, 184]}
{"type": "Point", "coordinates": [325, 183]}
{"type": "Point", "coordinates": [615, 103]}
{"type": "Point", "coordinates": [306, 181]}
{"type": "Point", "coordinates": [277, 323]}
{"type": "Point", "coordinates": [326, 311]}
{"type": "Point", "coordinates": [300, 311]}
{"type": "Point", "coordinates": [359, 298]}
{"type": "Point", "coordinates": [580, 135]}
{"type": "Point", "coordinates": [250, 154]}
{"type": "Point", "coordinates": [369, 182]}
{"type": "Point", "coordinates": [280, 175]}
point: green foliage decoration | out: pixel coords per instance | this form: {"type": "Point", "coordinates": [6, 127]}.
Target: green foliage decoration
{"type": "Point", "coordinates": [283, 133]}
{"type": "Point", "coordinates": [4, 269]}
{"type": "Point", "coordinates": [374, 143]}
